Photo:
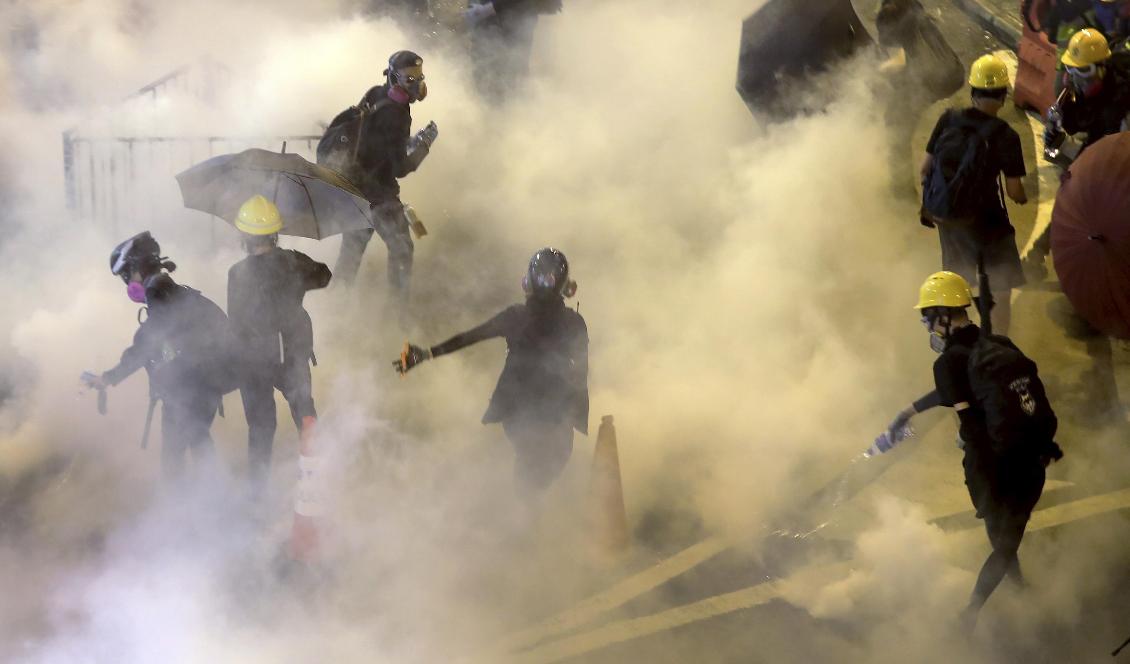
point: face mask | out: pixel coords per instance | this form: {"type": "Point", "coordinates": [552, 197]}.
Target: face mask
{"type": "Point", "coordinates": [136, 292]}
{"type": "Point", "coordinates": [937, 342]}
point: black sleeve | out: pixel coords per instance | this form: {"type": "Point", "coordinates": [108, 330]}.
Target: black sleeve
{"type": "Point", "coordinates": [1011, 155]}
{"type": "Point", "coordinates": [939, 127]}
{"type": "Point", "coordinates": [387, 140]}
{"type": "Point", "coordinates": [951, 379]}
{"type": "Point", "coordinates": [314, 275]}
{"type": "Point", "coordinates": [133, 358]}
{"type": "Point", "coordinates": [928, 401]}
{"type": "Point", "coordinates": [495, 327]}
{"type": "Point", "coordinates": [579, 375]}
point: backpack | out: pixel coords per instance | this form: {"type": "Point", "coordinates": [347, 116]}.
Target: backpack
{"type": "Point", "coordinates": [1008, 390]}
{"type": "Point", "coordinates": [337, 149]}
{"type": "Point", "coordinates": [208, 341]}
{"type": "Point", "coordinates": [959, 183]}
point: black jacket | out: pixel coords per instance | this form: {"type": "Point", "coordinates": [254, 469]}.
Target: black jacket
{"type": "Point", "coordinates": [1102, 114]}
{"type": "Point", "coordinates": [382, 153]}
{"type": "Point", "coordinates": [185, 343]}
{"type": "Point", "coordinates": [265, 293]}
{"type": "Point", "coordinates": [546, 373]}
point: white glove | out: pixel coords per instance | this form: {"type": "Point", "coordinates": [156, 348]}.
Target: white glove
{"type": "Point", "coordinates": [428, 134]}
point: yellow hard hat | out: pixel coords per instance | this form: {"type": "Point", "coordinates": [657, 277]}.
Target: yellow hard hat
{"type": "Point", "coordinates": [944, 289]}
{"type": "Point", "coordinates": [1087, 47]}
{"type": "Point", "coordinates": [258, 216]}
{"type": "Point", "coordinates": [988, 73]}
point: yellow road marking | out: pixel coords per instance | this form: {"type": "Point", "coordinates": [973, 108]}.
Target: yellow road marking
{"type": "Point", "coordinates": [616, 596]}
{"type": "Point", "coordinates": [711, 607]}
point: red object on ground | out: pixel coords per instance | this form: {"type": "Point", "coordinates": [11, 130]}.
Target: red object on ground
{"type": "Point", "coordinates": [1036, 72]}
{"type": "Point", "coordinates": [1091, 235]}
{"type": "Point", "coordinates": [308, 499]}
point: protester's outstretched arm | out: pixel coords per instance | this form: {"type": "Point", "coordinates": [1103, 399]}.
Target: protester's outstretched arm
{"type": "Point", "coordinates": [314, 275]}
{"type": "Point", "coordinates": [413, 354]}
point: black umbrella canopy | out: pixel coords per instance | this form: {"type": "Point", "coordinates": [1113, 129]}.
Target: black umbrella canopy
{"type": "Point", "coordinates": [786, 39]}
{"type": "Point", "coordinates": [314, 201]}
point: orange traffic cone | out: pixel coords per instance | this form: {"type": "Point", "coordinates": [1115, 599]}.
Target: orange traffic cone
{"type": "Point", "coordinates": [309, 507]}
{"type": "Point", "coordinates": [607, 515]}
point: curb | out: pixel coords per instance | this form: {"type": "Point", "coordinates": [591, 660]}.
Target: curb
{"type": "Point", "coordinates": [991, 21]}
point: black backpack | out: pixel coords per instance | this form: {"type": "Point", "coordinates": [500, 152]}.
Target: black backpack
{"type": "Point", "coordinates": [960, 184]}
{"type": "Point", "coordinates": [1007, 388]}
{"type": "Point", "coordinates": [337, 148]}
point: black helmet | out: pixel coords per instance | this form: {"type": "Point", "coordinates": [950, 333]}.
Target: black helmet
{"type": "Point", "coordinates": [140, 253]}
{"type": "Point", "coordinates": [417, 89]}
{"type": "Point", "coordinates": [548, 274]}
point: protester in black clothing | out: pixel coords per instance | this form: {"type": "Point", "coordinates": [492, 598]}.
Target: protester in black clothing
{"type": "Point", "coordinates": [1007, 442]}
{"type": "Point", "coordinates": [387, 151]}
{"type": "Point", "coordinates": [1095, 104]}
{"type": "Point", "coordinates": [274, 332]}
{"type": "Point", "coordinates": [542, 394]}
{"type": "Point", "coordinates": [185, 346]}
{"type": "Point", "coordinates": [987, 231]}
{"type": "Point", "coordinates": [502, 37]}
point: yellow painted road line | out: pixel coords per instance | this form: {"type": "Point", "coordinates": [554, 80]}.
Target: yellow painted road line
{"type": "Point", "coordinates": [1079, 509]}
{"type": "Point", "coordinates": [711, 607]}
{"type": "Point", "coordinates": [614, 597]}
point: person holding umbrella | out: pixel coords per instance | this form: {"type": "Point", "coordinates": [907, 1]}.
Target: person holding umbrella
{"type": "Point", "coordinates": [542, 394]}
{"type": "Point", "coordinates": [274, 331]}
{"type": "Point", "coordinates": [185, 345]}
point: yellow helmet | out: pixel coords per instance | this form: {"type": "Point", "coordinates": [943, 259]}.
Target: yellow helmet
{"type": "Point", "coordinates": [258, 216]}
{"type": "Point", "coordinates": [1087, 47]}
{"type": "Point", "coordinates": [944, 289]}
{"type": "Point", "coordinates": [988, 73]}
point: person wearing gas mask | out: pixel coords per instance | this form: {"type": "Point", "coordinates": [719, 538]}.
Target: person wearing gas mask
{"type": "Point", "coordinates": [1095, 102]}
{"type": "Point", "coordinates": [502, 38]}
{"type": "Point", "coordinates": [274, 331]}
{"type": "Point", "coordinates": [387, 151]}
{"type": "Point", "coordinates": [1068, 17]}
{"type": "Point", "coordinates": [1007, 425]}
{"type": "Point", "coordinates": [185, 345]}
{"type": "Point", "coordinates": [542, 394]}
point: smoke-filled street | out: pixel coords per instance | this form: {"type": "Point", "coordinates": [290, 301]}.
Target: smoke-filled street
{"type": "Point", "coordinates": [562, 331]}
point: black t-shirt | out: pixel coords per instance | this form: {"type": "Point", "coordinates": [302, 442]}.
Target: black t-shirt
{"type": "Point", "coordinates": [1005, 154]}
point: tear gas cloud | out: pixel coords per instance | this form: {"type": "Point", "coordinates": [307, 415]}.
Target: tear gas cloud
{"type": "Point", "coordinates": [744, 282]}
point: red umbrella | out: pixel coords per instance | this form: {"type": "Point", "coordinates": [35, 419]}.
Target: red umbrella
{"type": "Point", "coordinates": [1091, 235]}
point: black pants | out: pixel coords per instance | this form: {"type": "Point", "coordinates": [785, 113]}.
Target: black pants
{"type": "Point", "coordinates": [258, 393]}
{"type": "Point", "coordinates": [541, 450]}
{"type": "Point", "coordinates": [391, 224]}
{"type": "Point", "coordinates": [1004, 491]}
{"type": "Point", "coordinates": [186, 424]}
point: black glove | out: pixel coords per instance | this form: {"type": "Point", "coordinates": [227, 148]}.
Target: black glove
{"type": "Point", "coordinates": [410, 357]}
